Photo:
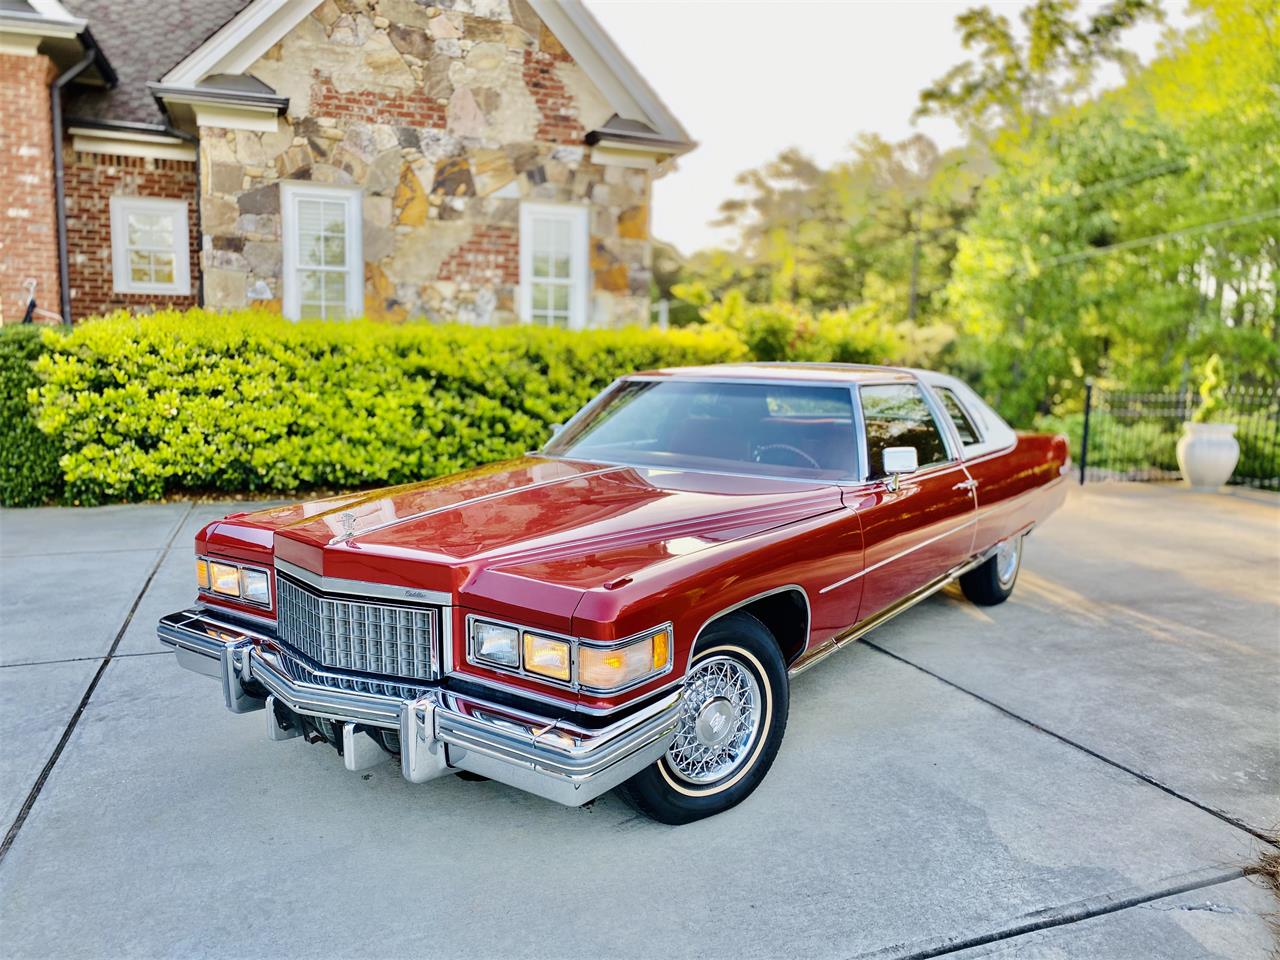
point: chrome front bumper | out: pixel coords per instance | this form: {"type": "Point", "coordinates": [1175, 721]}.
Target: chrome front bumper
{"type": "Point", "coordinates": [439, 731]}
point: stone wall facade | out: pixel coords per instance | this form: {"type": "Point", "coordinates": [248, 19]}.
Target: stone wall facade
{"type": "Point", "coordinates": [28, 224]}
{"type": "Point", "coordinates": [446, 116]}
{"type": "Point", "coordinates": [91, 180]}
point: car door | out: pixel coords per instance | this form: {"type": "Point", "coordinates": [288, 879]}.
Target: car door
{"type": "Point", "coordinates": [916, 533]}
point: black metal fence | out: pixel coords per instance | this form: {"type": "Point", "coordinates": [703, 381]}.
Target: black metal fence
{"type": "Point", "coordinates": [1134, 436]}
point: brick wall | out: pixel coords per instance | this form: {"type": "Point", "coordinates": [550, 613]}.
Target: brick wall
{"type": "Point", "coordinates": [92, 179]}
{"type": "Point", "coordinates": [559, 115]}
{"type": "Point", "coordinates": [28, 227]}
{"type": "Point", "coordinates": [491, 256]}
{"type": "Point", "coordinates": [414, 109]}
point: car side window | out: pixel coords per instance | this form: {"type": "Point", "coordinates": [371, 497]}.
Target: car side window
{"type": "Point", "coordinates": [897, 415]}
{"type": "Point", "coordinates": [965, 426]}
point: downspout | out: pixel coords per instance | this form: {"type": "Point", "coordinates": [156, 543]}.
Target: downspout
{"type": "Point", "coordinates": [60, 193]}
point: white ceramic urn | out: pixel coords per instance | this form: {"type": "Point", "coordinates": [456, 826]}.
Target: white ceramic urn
{"type": "Point", "coordinates": [1207, 453]}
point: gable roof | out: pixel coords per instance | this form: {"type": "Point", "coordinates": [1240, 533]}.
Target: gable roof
{"type": "Point", "coordinates": [260, 24]}
{"type": "Point", "coordinates": [172, 47]}
{"type": "Point", "coordinates": [613, 74]}
{"type": "Point", "coordinates": [142, 40]}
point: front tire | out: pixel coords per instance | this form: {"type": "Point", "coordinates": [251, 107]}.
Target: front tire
{"type": "Point", "coordinates": [992, 581]}
{"type": "Point", "coordinates": [734, 717]}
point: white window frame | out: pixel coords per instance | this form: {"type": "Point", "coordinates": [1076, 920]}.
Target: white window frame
{"type": "Point", "coordinates": [351, 197]}
{"type": "Point", "coordinates": [121, 279]}
{"type": "Point", "coordinates": [579, 261]}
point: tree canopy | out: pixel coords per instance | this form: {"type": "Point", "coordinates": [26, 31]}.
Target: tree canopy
{"type": "Point", "coordinates": [1127, 234]}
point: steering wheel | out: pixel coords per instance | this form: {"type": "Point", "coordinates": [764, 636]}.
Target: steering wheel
{"type": "Point", "coordinates": [759, 455]}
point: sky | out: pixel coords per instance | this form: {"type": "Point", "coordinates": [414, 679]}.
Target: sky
{"type": "Point", "coordinates": [748, 78]}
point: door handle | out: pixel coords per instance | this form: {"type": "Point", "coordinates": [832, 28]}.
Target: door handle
{"type": "Point", "coordinates": [966, 485]}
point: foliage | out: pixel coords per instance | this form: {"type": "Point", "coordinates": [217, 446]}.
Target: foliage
{"type": "Point", "coordinates": [784, 331]}
{"type": "Point", "coordinates": [876, 230]}
{"type": "Point", "coordinates": [1125, 235]}
{"type": "Point", "coordinates": [1210, 391]}
{"type": "Point", "coordinates": [28, 459]}
{"type": "Point", "coordinates": [668, 276]}
{"type": "Point", "coordinates": [148, 406]}
{"type": "Point", "coordinates": [1116, 239]}
{"type": "Point", "coordinates": [1037, 310]}
{"type": "Point", "coordinates": [1014, 80]}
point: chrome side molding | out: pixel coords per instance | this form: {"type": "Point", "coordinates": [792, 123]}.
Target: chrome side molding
{"type": "Point", "coordinates": [842, 640]}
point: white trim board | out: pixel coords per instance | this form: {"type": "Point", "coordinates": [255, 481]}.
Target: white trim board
{"type": "Point", "coordinates": [241, 41]}
{"type": "Point", "coordinates": [124, 143]}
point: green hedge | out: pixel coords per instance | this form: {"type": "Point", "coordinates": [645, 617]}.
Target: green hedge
{"type": "Point", "coordinates": [152, 405]}
{"type": "Point", "coordinates": [29, 472]}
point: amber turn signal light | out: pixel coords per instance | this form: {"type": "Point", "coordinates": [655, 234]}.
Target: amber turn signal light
{"type": "Point", "coordinates": [608, 668]}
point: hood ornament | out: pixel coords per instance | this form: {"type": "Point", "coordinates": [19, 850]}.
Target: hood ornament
{"type": "Point", "coordinates": [348, 521]}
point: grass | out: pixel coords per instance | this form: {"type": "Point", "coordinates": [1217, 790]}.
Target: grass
{"type": "Point", "coordinates": [1266, 872]}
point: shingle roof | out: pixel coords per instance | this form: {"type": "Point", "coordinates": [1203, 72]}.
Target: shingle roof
{"type": "Point", "coordinates": [143, 39]}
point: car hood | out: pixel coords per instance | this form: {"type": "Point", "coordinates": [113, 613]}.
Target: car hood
{"type": "Point", "coordinates": [534, 525]}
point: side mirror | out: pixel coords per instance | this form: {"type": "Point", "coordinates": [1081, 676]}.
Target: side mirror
{"type": "Point", "coordinates": [899, 460]}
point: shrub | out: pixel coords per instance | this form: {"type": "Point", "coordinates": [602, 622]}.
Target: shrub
{"type": "Point", "coordinates": [248, 401]}
{"type": "Point", "coordinates": [28, 459]}
{"type": "Point", "coordinates": [785, 331]}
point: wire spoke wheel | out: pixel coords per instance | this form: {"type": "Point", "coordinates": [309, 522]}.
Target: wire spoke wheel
{"type": "Point", "coordinates": [720, 722]}
{"type": "Point", "coordinates": [733, 714]}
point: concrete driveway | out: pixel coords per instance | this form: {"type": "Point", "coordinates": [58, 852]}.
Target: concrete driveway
{"type": "Point", "coordinates": [1083, 771]}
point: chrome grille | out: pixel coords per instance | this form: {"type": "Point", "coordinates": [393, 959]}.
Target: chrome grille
{"type": "Point", "coordinates": [395, 640]}
{"type": "Point", "coordinates": [299, 671]}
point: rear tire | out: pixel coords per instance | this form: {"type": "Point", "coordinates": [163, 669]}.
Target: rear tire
{"type": "Point", "coordinates": [992, 581]}
{"type": "Point", "coordinates": [734, 717]}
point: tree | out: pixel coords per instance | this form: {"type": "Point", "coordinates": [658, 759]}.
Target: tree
{"type": "Point", "coordinates": [879, 228]}
{"type": "Point", "coordinates": [1133, 235]}
{"type": "Point", "coordinates": [904, 205]}
{"type": "Point", "coordinates": [1014, 81]}
{"type": "Point", "coordinates": [785, 223]}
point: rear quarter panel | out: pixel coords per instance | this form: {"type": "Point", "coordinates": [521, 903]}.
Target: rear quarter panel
{"type": "Point", "coordinates": [1019, 486]}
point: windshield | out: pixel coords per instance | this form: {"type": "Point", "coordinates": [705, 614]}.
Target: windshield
{"type": "Point", "coordinates": [766, 429]}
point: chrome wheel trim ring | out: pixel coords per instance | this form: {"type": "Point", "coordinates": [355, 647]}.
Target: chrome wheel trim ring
{"type": "Point", "coordinates": [718, 688]}
{"type": "Point", "coordinates": [1008, 557]}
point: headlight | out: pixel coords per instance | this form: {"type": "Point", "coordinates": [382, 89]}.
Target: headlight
{"type": "Point", "coordinates": [593, 666]}
{"type": "Point", "coordinates": [546, 656]}
{"type": "Point", "coordinates": [495, 642]}
{"type": "Point", "coordinates": [607, 668]}
{"type": "Point", "coordinates": [226, 579]}
{"type": "Point", "coordinates": [256, 585]}
{"type": "Point", "coordinates": [250, 584]}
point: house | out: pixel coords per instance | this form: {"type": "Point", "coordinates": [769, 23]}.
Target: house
{"type": "Point", "coordinates": [488, 161]}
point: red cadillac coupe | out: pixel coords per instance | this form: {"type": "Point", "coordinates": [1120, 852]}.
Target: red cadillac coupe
{"type": "Point", "coordinates": [624, 607]}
